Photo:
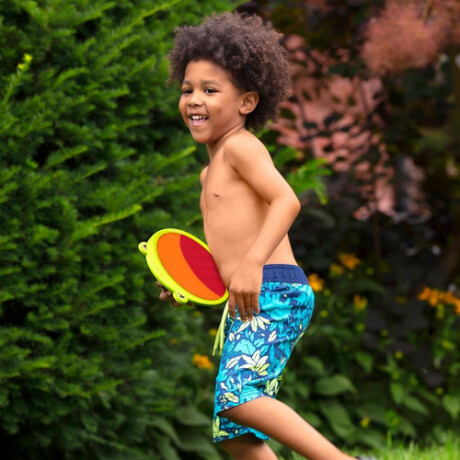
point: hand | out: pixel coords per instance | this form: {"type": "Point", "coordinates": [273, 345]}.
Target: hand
{"type": "Point", "coordinates": [167, 295]}
{"type": "Point", "coordinates": [244, 290]}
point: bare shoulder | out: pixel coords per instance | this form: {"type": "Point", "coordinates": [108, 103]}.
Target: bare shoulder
{"type": "Point", "coordinates": [244, 148]}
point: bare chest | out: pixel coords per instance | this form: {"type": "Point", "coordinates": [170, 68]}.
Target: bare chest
{"type": "Point", "coordinates": [221, 185]}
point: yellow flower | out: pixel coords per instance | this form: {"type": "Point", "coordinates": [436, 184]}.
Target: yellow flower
{"type": "Point", "coordinates": [437, 298]}
{"type": "Point", "coordinates": [457, 306]}
{"type": "Point", "coordinates": [27, 57]}
{"type": "Point", "coordinates": [434, 297]}
{"type": "Point", "coordinates": [359, 302]}
{"type": "Point", "coordinates": [448, 297]}
{"type": "Point", "coordinates": [365, 422]}
{"type": "Point", "coordinates": [316, 282]}
{"type": "Point", "coordinates": [425, 294]}
{"type": "Point", "coordinates": [335, 269]}
{"type": "Point", "coordinates": [20, 66]}
{"type": "Point", "coordinates": [398, 354]}
{"type": "Point", "coordinates": [212, 331]}
{"type": "Point", "coordinates": [349, 261]}
{"type": "Point", "coordinates": [202, 361]}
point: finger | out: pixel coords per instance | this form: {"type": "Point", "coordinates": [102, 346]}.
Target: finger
{"type": "Point", "coordinates": [248, 306]}
{"type": "Point", "coordinates": [255, 303]}
{"type": "Point", "coordinates": [231, 305]}
{"type": "Point", "coordinates": [241, 308]}
{"type": "Point", "coordinates": [165, 295]}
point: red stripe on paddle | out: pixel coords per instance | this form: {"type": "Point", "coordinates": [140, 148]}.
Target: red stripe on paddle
{"type": "Point", "coordinates": [202, 264]}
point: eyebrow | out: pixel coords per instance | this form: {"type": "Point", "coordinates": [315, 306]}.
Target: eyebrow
{"type": "Point", "coordinates": [203, 82]}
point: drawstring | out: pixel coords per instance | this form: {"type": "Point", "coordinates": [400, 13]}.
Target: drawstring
{"type": "Point", "coordinates": [220, 335]}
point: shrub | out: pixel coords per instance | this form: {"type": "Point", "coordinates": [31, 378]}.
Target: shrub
{"type": "Point", "coordinates": [91, 154]}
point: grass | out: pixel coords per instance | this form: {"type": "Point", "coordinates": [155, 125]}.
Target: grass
{"type": "Point", "coordinates": [450, 450]}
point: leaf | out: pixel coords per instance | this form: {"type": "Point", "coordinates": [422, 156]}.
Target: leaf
{"type": "Point", "coordinates": [196, 442]}
{"type": "Point", "coordinates": [167, 451]}
{"type": "Point", "coordinates": [372, 438]}
{"type": "Point", "coordinates": [414, 404]}
{"type": "Point", "coordinates": [165, 426]}
{"type": "Point", "coordinates": [338, 417]}
{"type": "Point", "coordinates": [452, 405]}
{"type": "Point", "coordinates": [315, 364]}
{"type": "Point", "coordinates": [191, 416]}
{"type": "Point", "coordinates": [331, 386]}
{"type": "Point", "coordinates": [365, 360]}
{"type": "Point", "coordinates": [397, 392]}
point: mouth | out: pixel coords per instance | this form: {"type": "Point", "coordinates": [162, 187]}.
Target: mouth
{"type": "Point", "coordinates": [197, 120]}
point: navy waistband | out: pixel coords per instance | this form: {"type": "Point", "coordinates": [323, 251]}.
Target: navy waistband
{"type": "Point", "coordinates": [283, 273]}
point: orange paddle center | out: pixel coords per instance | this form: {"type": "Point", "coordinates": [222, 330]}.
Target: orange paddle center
{"type": "Point", "coordinates": [190, 265]}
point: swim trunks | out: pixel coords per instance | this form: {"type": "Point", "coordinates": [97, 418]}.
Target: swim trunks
{"type": "Point", "coordinates": [255, 352]}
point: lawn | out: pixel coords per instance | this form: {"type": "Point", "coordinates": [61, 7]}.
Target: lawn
{"type": "Point", "coordinates": [450, 450]}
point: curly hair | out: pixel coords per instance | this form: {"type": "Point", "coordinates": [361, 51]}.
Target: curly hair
{"type": "Point", "coordinates": [248, 48]}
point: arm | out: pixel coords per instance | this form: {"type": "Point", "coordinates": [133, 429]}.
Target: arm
{"type": "Point", "coordinates": [255, 166]}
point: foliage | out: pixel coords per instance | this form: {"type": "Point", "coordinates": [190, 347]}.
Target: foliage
{"type": "Point", "coordinates": [398, 372]}
{"type": "Point", "coordinates": [93, 160]}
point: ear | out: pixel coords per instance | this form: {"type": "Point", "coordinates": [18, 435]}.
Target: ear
{"type": "Point", "coordinates": [249, 102]}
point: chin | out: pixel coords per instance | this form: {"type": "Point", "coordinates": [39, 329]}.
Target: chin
{"type": "Point", "coordinates": [200, 138]}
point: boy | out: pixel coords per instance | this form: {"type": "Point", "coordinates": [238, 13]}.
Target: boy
{"type": "Point", "coordinates": [234, 73]}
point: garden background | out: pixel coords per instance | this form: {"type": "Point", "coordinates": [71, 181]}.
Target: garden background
{"type": "Point", "coordinates": [94, 159]}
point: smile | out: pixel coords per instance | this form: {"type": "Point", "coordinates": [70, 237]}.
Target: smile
{"type": "Point", "coordinates": [197, 120]}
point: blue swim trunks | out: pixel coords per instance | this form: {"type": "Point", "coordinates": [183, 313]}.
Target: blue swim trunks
{"type": "Point", "coordinates": [255, 352]}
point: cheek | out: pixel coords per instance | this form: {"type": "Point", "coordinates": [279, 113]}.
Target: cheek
{"type": "Point", "coordinates": [182, 107]}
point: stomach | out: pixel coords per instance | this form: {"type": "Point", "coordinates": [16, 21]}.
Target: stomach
{"type": "Point", "coordinates": [230, 243]}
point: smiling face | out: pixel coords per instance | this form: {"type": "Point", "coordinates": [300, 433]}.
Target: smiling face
{"type": "Point", "coordinates": [210, 104]}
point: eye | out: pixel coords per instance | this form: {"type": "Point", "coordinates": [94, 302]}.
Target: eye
{"type": "Point", "coordinates": [186, 91]}
{"type": "Point", "coordinates": [210, 91]}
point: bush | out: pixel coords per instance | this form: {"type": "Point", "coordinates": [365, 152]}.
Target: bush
{"type": "Point", "coordinates": [91, 153]}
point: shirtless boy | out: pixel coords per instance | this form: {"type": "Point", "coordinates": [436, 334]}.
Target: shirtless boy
{"type": "Point", "coordinates": [233, 75]}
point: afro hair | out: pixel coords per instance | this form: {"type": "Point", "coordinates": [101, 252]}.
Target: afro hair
{"type": "Point", "coordinates": [245, 46]}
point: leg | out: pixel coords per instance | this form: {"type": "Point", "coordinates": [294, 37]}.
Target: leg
{"type": "Point", "coordinates": [280, 422]}
{"type": "Point", "coordinates": [248, 447]}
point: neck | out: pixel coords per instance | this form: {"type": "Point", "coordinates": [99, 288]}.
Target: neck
{"type": "Point", "coordinates": [215, 146]}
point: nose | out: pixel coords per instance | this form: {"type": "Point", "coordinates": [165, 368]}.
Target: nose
{"type": "Point", "coordinates": [194, 99]}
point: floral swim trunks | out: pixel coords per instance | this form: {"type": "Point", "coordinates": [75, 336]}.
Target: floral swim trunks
{"type": "Point", "coordinates": [255, 352]}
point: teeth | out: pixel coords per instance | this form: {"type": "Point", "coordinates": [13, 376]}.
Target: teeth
{"type": "Point", "coordinates": [197, 117]}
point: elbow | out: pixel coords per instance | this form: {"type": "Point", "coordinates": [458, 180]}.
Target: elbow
{"type": "Point", "coordinates": [294, 205]}
{"type": "Point", "coordinates": [297, 206]}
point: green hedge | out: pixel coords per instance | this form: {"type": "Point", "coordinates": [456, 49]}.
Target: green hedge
{"type": "Point", "coordinates": [93, 160]}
